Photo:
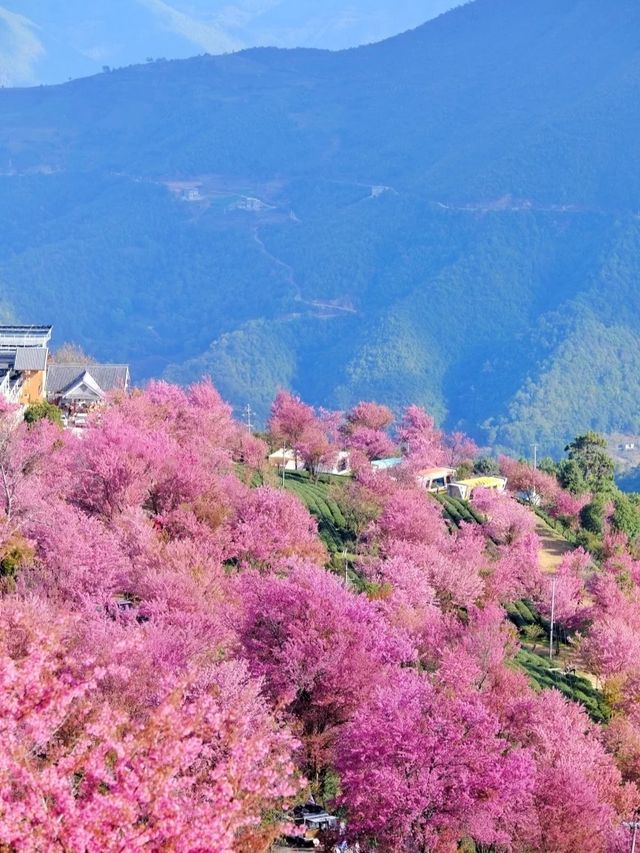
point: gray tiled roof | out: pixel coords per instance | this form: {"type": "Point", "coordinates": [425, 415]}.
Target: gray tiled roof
{"type": "Point", "coordinates": [109, 377]}
{"type": "Point", "coordinates": [30, 358]}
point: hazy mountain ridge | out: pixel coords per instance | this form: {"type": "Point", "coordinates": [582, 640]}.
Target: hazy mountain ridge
{"type": "Point", "coordinates": [386, 222]}
{"type": "Point", "coordinates": [44, 42]}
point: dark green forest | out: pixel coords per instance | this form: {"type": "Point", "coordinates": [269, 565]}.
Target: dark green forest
{"type": "Point", "coordinates": [450, 217]}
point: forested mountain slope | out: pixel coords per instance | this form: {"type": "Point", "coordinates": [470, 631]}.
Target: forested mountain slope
{"type": "Point", "coordinates": [450, 216]}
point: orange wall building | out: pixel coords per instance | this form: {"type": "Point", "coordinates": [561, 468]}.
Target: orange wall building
{"type": "Point", "coordinates": [33, 387]}
{"type": "Point", "coordinates": [24, 354]}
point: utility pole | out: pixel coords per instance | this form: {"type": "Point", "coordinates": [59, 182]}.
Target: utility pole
{"type": "Point", "coordinates": [553, 616]}
{"type": "Point", "coordinates": [633, 825]}
{"type": "Point", "coordinates": [248, 413]}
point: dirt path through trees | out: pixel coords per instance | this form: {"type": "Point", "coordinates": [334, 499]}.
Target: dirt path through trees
{"type": "Point", "coordinates": [553, 547]}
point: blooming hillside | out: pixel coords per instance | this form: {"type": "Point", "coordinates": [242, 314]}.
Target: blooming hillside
{"type": "Point", "coordinates": [182, 659]}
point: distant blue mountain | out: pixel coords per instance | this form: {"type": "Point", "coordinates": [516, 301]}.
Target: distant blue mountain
{"type": "Point", "coordinates": [448, 217]}
{"type": "Point", "coordinates": [46, 41]}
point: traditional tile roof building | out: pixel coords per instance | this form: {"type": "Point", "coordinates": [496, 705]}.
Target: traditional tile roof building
{"type": "Point", "coordinates": [26, 374]}
{"type": "Point", "coordinates": [24, 352]}
{"type": "Point", "coordinates": [77, 385]}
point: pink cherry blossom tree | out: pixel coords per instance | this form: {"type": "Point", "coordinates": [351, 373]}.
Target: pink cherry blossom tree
{"type": "Point", "coordinates": [507, 521]}
{"type": "Point", "coordinates": [320, 650]}
{"type": "Point", "coordinates": [559, 502]}
{"type": "Point", "coordinates": [315, 448]}
{"type": "Point", "coordinates": [579, 797]}
{"type": "Point", "coordinates": [422, 770]}
{"type": "Point", "coordinates": [289, 420]}
{"type": "Point", "coordinates": [365, 430]}
{"type": "Point", "coordinates": [199, 771]}
{"type": "Point", "coordinates": [269, 524]}
{"type": "Point", "coordinates": [411, 527]}
{"type": "Point", "coordinates": [369, 415]}
{"type": "Point", "coordinates": [571, 597]}
{"type": "Point", "coordinates": [422, 441]}
{"type": "Point", "coordinates": [459, 448]}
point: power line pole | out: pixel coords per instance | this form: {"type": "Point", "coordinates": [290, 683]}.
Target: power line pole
{"type": "Point", "coordinates": [248, 413]}
{"type": "Point", "coordinates": [633, 825]}
{"type": "Point", "coordinates": [553, 616]}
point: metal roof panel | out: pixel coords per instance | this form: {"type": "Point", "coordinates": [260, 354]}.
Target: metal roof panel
{"type": "Point", "coordinates": [30, 358]}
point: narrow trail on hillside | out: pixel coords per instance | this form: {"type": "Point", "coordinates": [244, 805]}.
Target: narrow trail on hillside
{"type": "Point", "coordinates": [330, 306]}
{"type": "Point", "coordinates": [288, 270]}
{"type": "Point", "coordinates": [553, 547]}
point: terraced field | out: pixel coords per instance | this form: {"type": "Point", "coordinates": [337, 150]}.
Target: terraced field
{"type": "Point", "coordinates": [571, 684]}
{"type": "Point", "coordinates": [456, 511]}
{"type": "Point", "coordinates": [559, 673]}
{"type": "Point", "coordinates": [317, 498]}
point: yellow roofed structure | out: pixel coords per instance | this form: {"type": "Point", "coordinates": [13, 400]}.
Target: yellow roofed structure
{"type": "Point", "coordinates": [483, 482]}
{"type": "Point", "coordinates": [465, 488]}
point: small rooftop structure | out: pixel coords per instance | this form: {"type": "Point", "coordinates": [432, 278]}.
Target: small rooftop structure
{"type": "Point", "coordinates": [435, 479]}
{"type": "Point", "coordinates": [12, 337]}
{"type": "Point", "coordinates": [465, 488]}
{"type": "Point", "coordinates": [287, 458]}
